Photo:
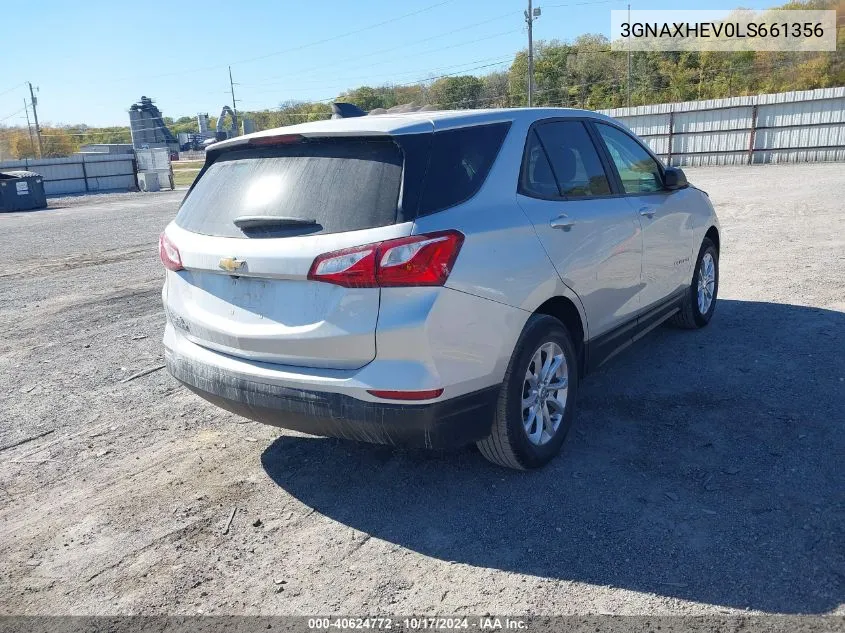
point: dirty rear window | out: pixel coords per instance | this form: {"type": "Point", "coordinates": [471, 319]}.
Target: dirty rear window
{"type": "Point", "coordinates": [341, 184]}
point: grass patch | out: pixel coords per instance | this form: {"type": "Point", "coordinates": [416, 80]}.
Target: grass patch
{"type": "Point", "coordinates": [184, 177]}
{"type": "Point", "coordinates": [188, 164]}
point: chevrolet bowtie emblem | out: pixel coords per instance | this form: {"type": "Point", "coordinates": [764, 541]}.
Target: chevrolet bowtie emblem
{"type": "Point", "coordinates": [231, 264]}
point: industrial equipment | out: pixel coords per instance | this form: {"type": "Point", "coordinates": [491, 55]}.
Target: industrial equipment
{"type": "Point", "coordinates": [147, 127]}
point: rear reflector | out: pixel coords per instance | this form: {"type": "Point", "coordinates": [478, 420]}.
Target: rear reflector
{"type": "Point", "coordinates": [169, 254]}
{"type": "Point", "coordinates": [418, 260]}
{"type": "Point", "coordinates": [406, 395]}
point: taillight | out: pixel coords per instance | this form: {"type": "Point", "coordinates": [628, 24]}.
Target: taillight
{"type": "Point", "coordinates": [351, 267]}
{"type": "Point", "coordinates": [419, 260]}
{"type": "Point", "coordinates": [169, 254]}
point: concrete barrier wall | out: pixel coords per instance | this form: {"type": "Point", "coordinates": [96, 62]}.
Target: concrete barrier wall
{"type": "Point", "coordinates": [81, 173]}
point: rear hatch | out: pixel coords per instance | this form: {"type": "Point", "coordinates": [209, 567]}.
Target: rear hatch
{"type": "Point", "coordinates": [249, 231]}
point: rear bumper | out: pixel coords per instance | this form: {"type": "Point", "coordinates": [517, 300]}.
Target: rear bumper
{"type": "Point", "coordinates": [443, 424]}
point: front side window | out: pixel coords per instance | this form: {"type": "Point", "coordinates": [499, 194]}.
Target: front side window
{"type": "Point", "coordinates": [639, 172]}
{"type": "Point", "coordinates": [574, 159]}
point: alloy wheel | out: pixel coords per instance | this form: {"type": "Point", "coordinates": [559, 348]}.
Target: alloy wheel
{"type": "Point", "coordinates": [706, 283]}
{"type": "Point", "coordinates": [544, 393]}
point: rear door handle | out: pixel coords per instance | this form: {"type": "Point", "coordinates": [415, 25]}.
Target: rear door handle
{"type": "Point", "coordinates": [562, 222]}
{"type": "Point", "coordinates": [647, 212]}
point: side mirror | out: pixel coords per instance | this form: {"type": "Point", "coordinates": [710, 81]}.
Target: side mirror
{"type": "Point", "coordinates": [674, 178]}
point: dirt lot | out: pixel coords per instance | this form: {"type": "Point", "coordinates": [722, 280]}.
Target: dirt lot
{"type": "Point", "coordinates": [704, 475]}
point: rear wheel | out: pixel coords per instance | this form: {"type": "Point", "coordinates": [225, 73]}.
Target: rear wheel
{"type": "Point", "coordinates": [537, 402]}
{"type": "Point", "coordinates": [699, 302]}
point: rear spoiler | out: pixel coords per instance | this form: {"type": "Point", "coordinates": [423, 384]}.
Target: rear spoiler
{"type": "Point", "coordinates": [342, 110]}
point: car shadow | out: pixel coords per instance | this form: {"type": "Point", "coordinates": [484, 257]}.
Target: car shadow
{"type": "Point", "coordinates": [703, 465]}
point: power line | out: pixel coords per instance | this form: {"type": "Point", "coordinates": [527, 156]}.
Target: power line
{"type": "Point", "coordinates": [5, 92]}
{"type": "Point", "coordinates": [465, 68]}
{"type": "Point", "coordinates": [337, 37]}
{"type": "Point", "coordinates": [409, 72]}
{"type": "Point", "coordinates": [510, 31]}
{"type": "Point", "coordinates": [296, 48]}
{"type": "Point", "coordinates": [495, 97]}
{"type": "Point", "coordinates": [12, 114]}
{"type": "Point", "coordinates": [403, 46]}
{"type": "Point", "coordinates": [429, 38]}
{"type": "Point", "coordinates": [105, 131]}
{"type": "Point", "coordinates": [413, 83]}
{"type": "Point", "coordinates": [617, 82]}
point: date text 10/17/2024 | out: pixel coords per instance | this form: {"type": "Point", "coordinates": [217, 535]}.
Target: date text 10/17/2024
{"type": "Point", "coordinates": [483, 623]}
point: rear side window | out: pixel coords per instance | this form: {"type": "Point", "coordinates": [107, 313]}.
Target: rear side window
{"type": "Point", "coordinates": [458, 164]}
{"type": "Point", "coordinates": [341, 184]}
{"type": "Point", "coordinates": [574, 159]}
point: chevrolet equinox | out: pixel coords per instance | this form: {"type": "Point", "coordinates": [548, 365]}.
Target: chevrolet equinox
{"type": "Point", "coordinates": [430, 278]}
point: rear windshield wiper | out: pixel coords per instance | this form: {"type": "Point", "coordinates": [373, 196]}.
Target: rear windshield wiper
{"type": "Point", "coordinates": [270, 221]}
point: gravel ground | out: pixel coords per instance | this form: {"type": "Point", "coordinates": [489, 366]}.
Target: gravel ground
{"type": "Point", "coordinates": [704, 474]}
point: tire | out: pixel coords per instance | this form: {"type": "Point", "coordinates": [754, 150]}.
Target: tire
{"type": "Point", "coordinates": [509, 443]}
{"type": "Point", "coordinates": [691, 316]}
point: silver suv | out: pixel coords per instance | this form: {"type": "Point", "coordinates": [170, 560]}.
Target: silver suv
{"type": "Point", "coordinates": [431, 278]}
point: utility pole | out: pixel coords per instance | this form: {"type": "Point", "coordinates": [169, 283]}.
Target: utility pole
{"type": "Point", "coordinates": [531, 15]}
{"type": "Point", "coordinates": [34, 103]}
{"type": "Point", "coordinates": [234, 102]}
{"type": "Point", "coordinates": [629, 55]}
{"type": "Point", "coordinates": [29, 127]}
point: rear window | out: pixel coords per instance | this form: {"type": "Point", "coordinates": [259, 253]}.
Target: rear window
{"type": "Point", "coordinates": [341, 184]}
{"type": "Point", "coordinates": [459, 163]}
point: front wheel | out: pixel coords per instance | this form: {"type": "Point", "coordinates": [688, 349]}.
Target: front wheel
{"type": "Point", "coordinates": [699, 302]}
{"type": "Point", "coordinates": [537, 402]}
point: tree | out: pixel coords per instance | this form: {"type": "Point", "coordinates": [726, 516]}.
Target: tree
{"type": "Point", "coordinates": [58, 142]}
{"type": "Point", "coordinates": [552, 74]}
{"type": "Point", "coordinates": [293, 112]}
{"type": "Point", "coordinates": [597, 74]}
{"type": "Point", "coordinates": [456, 93]}
{"type": "Point", "coordinates": [368, 98]}
{"type": "Point", "coordinates": [518, 80]}
{"type": "Point", "coordinates": [413, 94]}
{"type": "Point", "coordinates": [21, 145]}
{"type": "Point", "coordinates": [187, 124]}
{"type": "Point", "coordinates": [494, 90]}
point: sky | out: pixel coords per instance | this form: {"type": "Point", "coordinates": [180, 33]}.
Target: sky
{"type": "Point", "coordinates": [92, 59]}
